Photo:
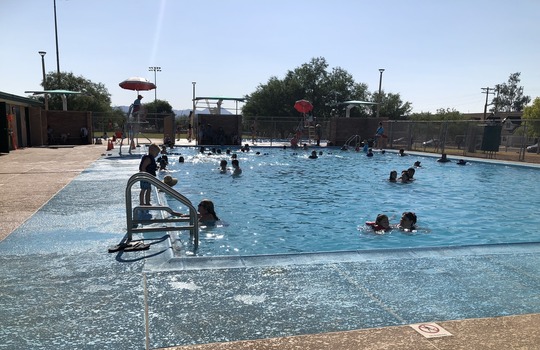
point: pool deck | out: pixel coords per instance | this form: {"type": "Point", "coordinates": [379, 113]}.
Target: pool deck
{"type": "Point", "coordinates": [60, 289]}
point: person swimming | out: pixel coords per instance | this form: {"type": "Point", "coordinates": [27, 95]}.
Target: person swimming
{"type": "Point", "coordinates": [207, 214]}
{"type": "Point", "coordinates": [407, 221]}
{"type": "Point", "coordinates": [411, 171]}
{"type": "Point", "coordinates": [404, 178]}
{"type": "Point", "coordinates": [393, 176]}
{"type": "Point", "coordinates": [236, 167]}
{"type": "Point", "coordinates": [381, 223]}
{"type": "Point", "coordinates": [223, 166]}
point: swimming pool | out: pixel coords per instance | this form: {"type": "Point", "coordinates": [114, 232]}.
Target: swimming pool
{"type": "Point", "coordinates": [285, 202]}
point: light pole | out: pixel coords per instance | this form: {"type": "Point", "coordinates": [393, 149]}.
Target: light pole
{"type": "Point", "coordinates": [155, 70]}
{"type": "Point", "coordinates": [195, 129]}
{"type": "Point", "coordinates": [42, 54]}
{"type": "Point", "coordinates": [57, 52]}
{"type": "Point", "coordinates": [381, 70]}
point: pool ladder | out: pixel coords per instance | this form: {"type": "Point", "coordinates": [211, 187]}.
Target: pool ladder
{"type": "Point", "coordinates": [189, 223]}
{"type": "Point", "coordinates": [355, 138]}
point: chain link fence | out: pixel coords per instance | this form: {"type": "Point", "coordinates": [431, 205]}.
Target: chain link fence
{"type": "Point", "coordinates": [489, 139]}
{"type": "Point", "coordinates": [147, 125]}
{"type": "Point", "coordinates": [509, 140]}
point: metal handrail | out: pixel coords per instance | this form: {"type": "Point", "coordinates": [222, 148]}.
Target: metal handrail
{"type": "Point", "coordinates": [351, 139]}
{"type": "Point", "coordinates": [193, 219]}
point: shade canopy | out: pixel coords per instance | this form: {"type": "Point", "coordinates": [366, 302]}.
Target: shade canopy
{"type": "Point", "coordinates": [52, 92]}
{"type": "Point", "coordinates": [137, 84]}
{"type": "Point", "coordinates": [303, 106]}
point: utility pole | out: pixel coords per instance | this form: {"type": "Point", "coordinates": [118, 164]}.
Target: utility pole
{"type": "Point", "coordinates": [487, 92]}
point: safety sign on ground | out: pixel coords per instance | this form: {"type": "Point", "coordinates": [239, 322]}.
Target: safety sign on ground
{"type": "Point", "coordinates": [430, 330]}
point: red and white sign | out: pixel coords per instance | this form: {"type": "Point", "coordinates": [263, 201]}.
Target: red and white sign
{"type": "Point", "coordinates": [430, 330]}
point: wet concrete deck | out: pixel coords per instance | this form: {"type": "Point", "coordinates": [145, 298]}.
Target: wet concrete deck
{"type": "Point", "coordinates": [60, 289]}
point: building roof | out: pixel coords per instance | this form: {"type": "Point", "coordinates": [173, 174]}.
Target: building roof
{"type": "Point", "coordinates": [19, 100]}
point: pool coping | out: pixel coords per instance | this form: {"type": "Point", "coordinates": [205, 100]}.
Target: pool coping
{"type": "Point", "coordinates": [168, 261]}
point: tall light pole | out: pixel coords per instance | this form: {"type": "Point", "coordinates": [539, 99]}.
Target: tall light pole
{"type": "Point", "coordinates": [57, 53]}
{"type": "Point", "coordinates": [381, 70]}
{"type": "Point", "coordinates": [195, 129]}
{"type": "Point", "coordinates": [155, 70]}
{"type": "Point", "coordinates": [42, 54]}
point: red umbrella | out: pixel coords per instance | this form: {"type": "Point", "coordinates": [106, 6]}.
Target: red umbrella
{"type": "Point", "coordinates": [303, 106]}
{"type": "Point", "coordinates": [138, 84]}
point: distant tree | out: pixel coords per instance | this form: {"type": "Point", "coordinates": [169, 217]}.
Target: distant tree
{"type": "Point", "coordinates": [509, 96]}
{"type": "Point", "coordinates": [441, 114]}
{"type": "Point", "coordinates": [325, 88]}
{"type": "Point", "coordinates": [312, 81]}
{"type": "Point", "coordinates": [156, 111]}
{"type": "Point", "coordinates": [270, 99]}
{"type": "Point", "coordinates": [531, 114]}
{"type": "Point", "coordinates": [159, 106]}
{"type": "Point", "coordinates": [392, 107]}
{"type": "Point", "coordinates": [95, 97]}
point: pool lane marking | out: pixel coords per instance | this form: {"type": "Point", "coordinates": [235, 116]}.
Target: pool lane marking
{"type": "Point", "coordinates": [366, 291]}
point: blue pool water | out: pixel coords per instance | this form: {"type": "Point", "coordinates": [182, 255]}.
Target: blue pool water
{"type": "Point", "coordinates": [286, 203]}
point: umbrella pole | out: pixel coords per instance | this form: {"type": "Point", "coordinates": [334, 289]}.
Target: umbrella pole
{"type": "Point", "coordinates": [138, 123]}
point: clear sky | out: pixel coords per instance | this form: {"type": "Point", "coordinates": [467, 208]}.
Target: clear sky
{"type": "Point", "coordinates": [436, 53]}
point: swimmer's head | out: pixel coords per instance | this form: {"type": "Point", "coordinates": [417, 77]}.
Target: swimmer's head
{"type": "Point", "coordinates": [382, 220]}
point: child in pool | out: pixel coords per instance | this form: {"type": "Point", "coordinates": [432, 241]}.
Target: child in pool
{"type": "Point", "coordinates": [408, 221]}
{"type": "Point", "coordinates": [393, 176]}
{"type": "Point", "coordinates": [236, 167]}
{"type": "Point", "coordinates": [223, 166]}
{"type": "Point", "coordinates": [148, 165]}
{"type": "Point", "coordinates": [207, 214]}
{"type": "Point", "coordinates": [381, 223]}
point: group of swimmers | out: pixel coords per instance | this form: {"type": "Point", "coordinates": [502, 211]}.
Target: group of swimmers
{"type": "Point", "coordinates": [236, 170]}
{"type": "Point", "coordinates": [406, 175]}
{"type": "Point", "coordinates": [408, 219]}
{"type": "Point", "coordinates": [382, 223]}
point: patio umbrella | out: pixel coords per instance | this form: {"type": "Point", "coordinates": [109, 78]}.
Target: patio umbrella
{"type": "Point", "coordinates": [303, 106]}
{"type": "Point", "coordinates": [137, 84]}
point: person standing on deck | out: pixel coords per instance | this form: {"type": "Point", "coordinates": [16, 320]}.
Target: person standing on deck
{"type": "Point", "coordinates": [379, 134]}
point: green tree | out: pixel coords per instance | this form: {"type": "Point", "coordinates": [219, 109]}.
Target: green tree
{"type": "Point", "coordinates": [311, 81]}
{"type": "Point", "coordinates": [270, 99]}
{"type": "Point", "coordinates": [156, 111]}
{"type": "Point", "coordinates": [441, 114]}
{"type": "Point", "coordinates": [509, 96]}
{"type": "Point", "coordinates": [159, 106]}
{"type": "Point", "coordinates": [95, 97]}
{"type": "Point", "coordinates": [531, 114]}
{"type": "Point", "coordinates": [392, 107]}
{"type": "Point", "coordinates": [325, 88]}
